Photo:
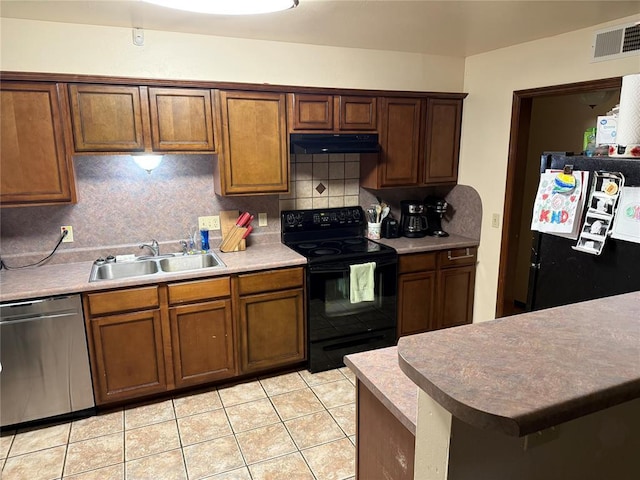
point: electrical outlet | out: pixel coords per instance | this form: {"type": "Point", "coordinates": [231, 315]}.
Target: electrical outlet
{"type": "Point", "coordinates": [209, 223]}
{"type": "Point", "coordinates": [495, 220]}
{"type": "Point", "coordinates": [262, 219]}
{"type": "Point", "coordinates": [69, 230]}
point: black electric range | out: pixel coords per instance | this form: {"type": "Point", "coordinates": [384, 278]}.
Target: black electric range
{"type": "Point", "coordinates": [333, 241]}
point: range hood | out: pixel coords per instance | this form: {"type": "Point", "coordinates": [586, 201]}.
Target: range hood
{"type": "Point", "coordinates": [334, 143]}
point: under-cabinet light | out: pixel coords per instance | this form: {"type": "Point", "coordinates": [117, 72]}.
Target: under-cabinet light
{"type": "Point", "coordinates": [147, 162]}
{"type": "Point", "coordinates": [228, 7]}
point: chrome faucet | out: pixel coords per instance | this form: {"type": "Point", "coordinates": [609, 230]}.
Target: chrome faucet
{"type": "Point", "coordinates": [185, 247]}
{"type": "Point", "coordinates": [154, 247]}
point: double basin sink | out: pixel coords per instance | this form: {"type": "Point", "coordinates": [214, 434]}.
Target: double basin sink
{"type": "Point", "coordinates": [143, 266]}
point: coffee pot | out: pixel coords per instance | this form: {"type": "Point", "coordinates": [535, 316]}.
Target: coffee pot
{"type": "Point", "coordinates": [413, 221]}
{"type": "Point", "coordinates": [435, 210]}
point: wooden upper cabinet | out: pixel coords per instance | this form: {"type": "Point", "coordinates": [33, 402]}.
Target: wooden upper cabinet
{"type": "Point", "coordinates": [331, 113]}
{"type": "Point", "coordinates": [255, 155]}
{"type": "Point", "coordinates": [399, 130]}
{"type": "Point", "coordinates": [357, 113]}
{"type": "Point", "coordinates": [181, 119]}
{"type": "Point", "coordinates": [107, 118]}
{"type": "Point", "coordinates": [310, 112]}
{"type": "Point", "coordinates": [442, 140]}
{"type": "Point", "coordinates": [34, 161]}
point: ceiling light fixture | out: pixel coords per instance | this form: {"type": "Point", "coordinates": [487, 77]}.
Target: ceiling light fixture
{"type": "Point", "coordinates": [228, 7]}
{"type": "Point", "coordinates": [147, 162]}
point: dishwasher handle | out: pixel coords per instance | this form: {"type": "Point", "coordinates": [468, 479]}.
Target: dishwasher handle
{"type": "Point", "coordinates": [35, 317]}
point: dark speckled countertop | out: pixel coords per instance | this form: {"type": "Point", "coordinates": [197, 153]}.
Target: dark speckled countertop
{"type": "Point", "coordinates": [521, 374]}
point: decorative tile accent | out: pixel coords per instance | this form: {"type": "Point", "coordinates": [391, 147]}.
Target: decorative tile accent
{"type": "Point", "coordinates": [335, 394]}
{"type": "Point", "coordinates": [43, 465]}
{"type": "Point", "coordinates": [323, 181]}
{"type": "Point", "coordinates": [203, 426]}
{"type": "Point", "coordinates": [335, 460]}
{"type": "Point", "coordinates": [33, 439]}
{"type": "Point", "coordinates": [290, 466]}
{"type": "Point", "coordinates": [296, 404]}
{"type": "Point", "coordinates": [241, 393]}
{"type": "Point", "coordinates": [97, 426]}
{"type": "Point", "coordinates": [148, 414]}
{"type": "Point", "coordinates": [166, 465]}
{"type": "Point", "coordinates": [250, 415]}
{"type": "Point", "coordinates": [265, 443]}
{"type": "Point", "coordinates": [190, 404]}
{"type": "Point", "coordinates": [212, 457]}
{"type": "Point", "coordinates": [314, 429]}
{"type": "Point", "coordinates": [156, 438]}
{"type": "Point", "coordinates": [94, 453]}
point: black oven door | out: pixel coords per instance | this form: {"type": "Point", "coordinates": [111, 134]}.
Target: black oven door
{"type": "Point", "coordinates": [338, 327]}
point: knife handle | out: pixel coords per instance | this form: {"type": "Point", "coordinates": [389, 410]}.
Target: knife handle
{"type": "Point", "coordinates": [243, 219]}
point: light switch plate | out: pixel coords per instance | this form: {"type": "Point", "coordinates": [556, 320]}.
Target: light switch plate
{"type": "Point", "coordinates": [209, 223]}
{"type": "Point", "coordinates": [262, 219]}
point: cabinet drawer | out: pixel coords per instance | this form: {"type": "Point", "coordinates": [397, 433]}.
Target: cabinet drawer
{"type": "Point", "coordinates": [268, 281]}
{"type": "Point", "coordinates": [457, 256]}
{"type": "Point", "coordinates": [199, 290]}
{"type": "Point", "coordinates": [417, 262]}
{"type": "Point", "coordinates": [143, 298]}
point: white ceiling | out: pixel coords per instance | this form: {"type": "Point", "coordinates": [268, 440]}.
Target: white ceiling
{"type": "Point", "coordinates": [452, 28]}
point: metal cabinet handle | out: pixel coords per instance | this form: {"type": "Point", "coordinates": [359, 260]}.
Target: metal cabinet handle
{"type": "Point", "coordinates": [468, 255]}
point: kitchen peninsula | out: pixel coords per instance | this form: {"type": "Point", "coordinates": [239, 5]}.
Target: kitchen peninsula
{"type": "Point", "coordinates": [548, 394]}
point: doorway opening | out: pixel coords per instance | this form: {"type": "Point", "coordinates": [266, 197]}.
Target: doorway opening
{"type": "Point", "coordinates": [527, 137]}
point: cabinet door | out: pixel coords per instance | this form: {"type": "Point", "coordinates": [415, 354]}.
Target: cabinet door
{"type": "Point", "coordinates": [106, 118]}
{"type": "Point", "coordinates": [33, 155]}
{"type": "Point", "coordinates": [255, 156]}
{"type": "Point", "coordinates": [400, 141]}
{"type": "Point", "coordinates": [128, 356]}
{"type": "Point", "coordinates": [311, 112]}
{"type": "Point", "coordinates": [455, 296]}
{"type": "Point", "coordinates": [357, 113]}
{"type": "Point", "coordinates": [442, 140]}
{"type": "Point", "coordinates": [416, 302]}
{"type": "Point", "coordinates": [202, 342]}
{"type": "Point", "coordinates": [181, 119]}
{"type": "Point", "coordinates": [271, 329]}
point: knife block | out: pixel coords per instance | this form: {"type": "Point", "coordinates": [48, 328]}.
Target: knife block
{"type": "Point", "coordinates": [228, 219]}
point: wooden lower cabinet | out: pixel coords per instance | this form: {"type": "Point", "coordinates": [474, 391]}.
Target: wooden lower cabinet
{"type": "Point", "coordinates": [128, 356]}
{"type": "Point", "coordinates": [202, 342]}
{"type": "Point", "coordinates": [435, 290]}
{"type": "Point", "coordinates": [385, 448]}
{"type": "Point", "coordinates": [152, 339]}
{"type": "Point", "coordinates": [271, 324]}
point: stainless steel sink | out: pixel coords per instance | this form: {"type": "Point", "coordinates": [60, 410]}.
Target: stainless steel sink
{"type": "Point", "coordinates": [114, 271]}
{"type": "Point", "coordinates": [189, 262]}
{"type": "Point", "coordinates": [144, 266]}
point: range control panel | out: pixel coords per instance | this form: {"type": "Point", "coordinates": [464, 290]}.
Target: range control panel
{"type": "Point", "coordinates": [322, 219]}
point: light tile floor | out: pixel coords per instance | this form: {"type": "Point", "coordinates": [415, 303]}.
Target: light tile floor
{"type": "Point", "coordinates": [292, 426]}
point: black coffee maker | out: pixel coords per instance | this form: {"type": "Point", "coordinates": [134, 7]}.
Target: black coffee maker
{"type": "Point", "coordinates": [435, 209]}
{"type": "Point", "coordinates": [413, 222]}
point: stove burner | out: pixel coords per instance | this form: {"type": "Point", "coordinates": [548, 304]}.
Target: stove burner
{"type": "Point", "coordinates": [325, 251]}
{"type": "Point", "coordinates": [307, 245]}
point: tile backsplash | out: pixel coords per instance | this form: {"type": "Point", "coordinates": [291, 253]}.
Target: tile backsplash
{"type": "Point", "coordinates": [323, 181]}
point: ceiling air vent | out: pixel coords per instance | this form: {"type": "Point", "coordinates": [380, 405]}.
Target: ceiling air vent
{"type": "Point", "coordinates": [616, 42]}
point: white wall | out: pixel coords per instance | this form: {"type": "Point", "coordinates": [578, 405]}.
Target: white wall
{"type": "Point", "coordinates": [490, 80]}
{"type": "Point", "coordinates": [34, 46]}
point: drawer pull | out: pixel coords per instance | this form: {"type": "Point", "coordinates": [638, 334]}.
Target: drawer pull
{"type": "Point", "coordinates": [468, 255]}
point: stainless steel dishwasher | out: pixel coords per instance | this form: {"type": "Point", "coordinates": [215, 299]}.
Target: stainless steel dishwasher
{"type": "Point", "coordinates": [44, 361]}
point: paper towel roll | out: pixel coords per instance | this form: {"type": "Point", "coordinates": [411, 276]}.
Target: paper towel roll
{"type": "Point", "coordinates": [629, 114]}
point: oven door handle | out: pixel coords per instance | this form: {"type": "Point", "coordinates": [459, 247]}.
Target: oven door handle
{"type": "Point", "coordinates": [342, 267]}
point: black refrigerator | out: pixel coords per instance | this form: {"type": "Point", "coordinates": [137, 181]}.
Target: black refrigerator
{"type": "Point", "coordinates": [560, 275]}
